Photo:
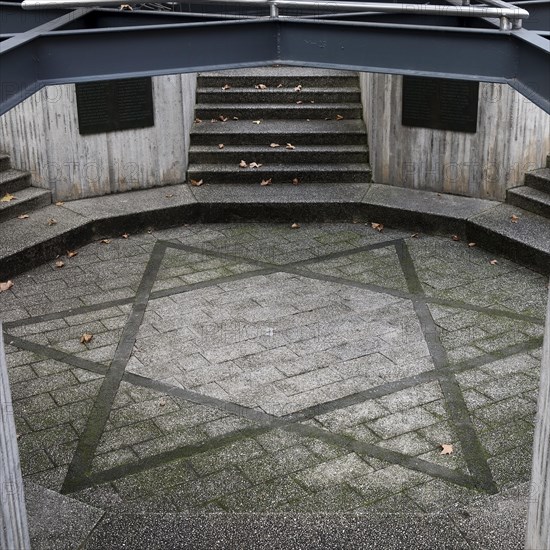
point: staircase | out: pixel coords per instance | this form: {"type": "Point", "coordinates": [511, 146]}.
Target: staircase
{"type": "Point", "coordinates": [15, 185]}
{"type": "Point", "coordinates": [535, 194]}
{"type": "Point", "coordinates": [300, 125]}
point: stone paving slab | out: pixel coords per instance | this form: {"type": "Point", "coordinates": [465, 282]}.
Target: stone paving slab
{"type": "Point", "coordinates": [260, 368]}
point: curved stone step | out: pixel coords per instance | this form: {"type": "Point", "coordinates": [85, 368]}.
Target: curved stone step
{"type": "Point", "coordinates": [530, 199]}
{"type": "Point", "coordinates": [12, 181]}
{"type": "Point", "coordinates": [304, 154]}
{"type": "Point", "coordinates": [538, 179]}
{"type": "Point", "coordinates": [5, 162]}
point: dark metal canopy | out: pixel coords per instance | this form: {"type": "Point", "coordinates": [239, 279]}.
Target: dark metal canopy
{"type": "Point", "coordinates": [54, 46]}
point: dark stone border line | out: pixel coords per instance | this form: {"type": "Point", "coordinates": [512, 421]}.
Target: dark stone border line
{"type": "Point", "coordinates": [101, 410]}
{"type": "Point", "coordinates": [453, 398]}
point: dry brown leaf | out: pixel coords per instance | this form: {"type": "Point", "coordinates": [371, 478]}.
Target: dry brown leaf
{"type": "Point", "coordinates": [261, 87]}
{"type": "Point", "coordinates": [72, 253]}
{"type": "Point", "coordinates": [295, 181]}
{"type": "Point", "coordinates": [196, 183]}
{"type": "Point", "coordinates": [59, 263]}
{"type": "Point", "coordinates": [243, 164]}
{"type": "Point", "coordinates": [198, 120]}
{"type": "Point", "coordinates": [105, 241]}
{"type": "Point", "coordinates": [298, 88]}
{"type": "Point", "coordinates": [8, 197]}
{"type": "Point", "coordinates": [280, 85]}
{"type": "Point", "coordinates": [378, 226]}
{"type": "Point", "coordinates": [493, 262]}
{"type": "Point", "coordinates": [223, 118]}
{"type": "Point", "coordinates": [295, 226]}
{"type": "Point", "coordinates": [86, 338]}
{"type": "Point", "coordinates": [23, 217]}
{"type": "Point", "coordinates": [52, 221]}
{"type": "Point", "coordinates": [299, 102]}
{"type": "Point", "coordinates": [455, 238]}
{"type": "Point", "coordinates": [221, 145]}
{"type": "Point", "coordinates": [235, 118]}
{"type": "Point", "coordinates": [446, 449]}
{"type": "Point", "coordinates": [125, 235]}
{"type": "Point", "coordinates": [514, 218]}
{"type": "Point", "coordinates": [414, 235]}
{"type": "Point", "coordinates": [471, 245]}
{"type": "Point", "coordinates": [263, 183]}
{"type": "Point", "coordinates": [169, 196]}
{"type": "Point", "coordinates": [256, 122]}
{"type": "Point", "coordinates": [6, 286]}
{"type": "Point", "coordinates": [290, 146]}
{"type": "Point", "coordinates": [339, 117]}
{"type": "Point", "coordinates": [274, 145]}
{"type": "Point", "coordinates": [59, 203]}
{"type": "Point", "coordinates": [226, 87]}
{"type": "Point", "coordinates": [254, 165]}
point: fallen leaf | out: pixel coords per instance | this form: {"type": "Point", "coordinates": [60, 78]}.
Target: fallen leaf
{"type": "Point", "coordinates": [6, 286]}
{"type": "Point", "coordinates": [243, 164]}
{"type": "Point", "coordinates": [295, 226]}
{"type": "Point", "coordinates": [86, 338]}
{"type": "Point", "coordinates": [18, 437]}
{"type": "Point", "coordinates": [214, 120]}
{"type": "Point", "coordinates": [295, 181]}
{"type": "Point", "coordinates": [221, 145]}
{"type": "Point", "coordinates": [514, 218]}
{"type": "Point", "coordinates": [226, 87]}
{"type": "Point", "coordinates": [105, 241]}
{"type": "Point", "coordinates": [493, 262]}
{"type": "Point", "coordinates": [52, 221]}
{"type": "Point", "coordinates": [263, 183]}
{"type": "Point", "coordinates": [256, 122]}
{"type": "Point", "coordinates": [378, 226]}
{"type": "Point", "coordinates": [414, 235]}
{"type": "Point", "coordinates": [125, 235]}
{"type": "Point", "coordinates": [339, 117]}
{"type": "Point", "coordinates": [235, 118]}
{"type": "Point", "coordinates": [72, 253]}
{"type": "Point", "coordinates": [23, 217]}
{"type": "Point", "coordinates": [299, 102]}
{"type": "Point", "coordinates": [196, 183]}
{"type": "Point", "coordinates": [290, 146]}
{"type": "Point", "coordinates": [280, 85]}
{"type": "Point", "coordinates": [261, 87]}
{"type": "Point", "coordinates": [8, 197]}
{"type": "Point", "coordinates": [254, 165]}
{"type": "Point", "coordinates": [455, 238]}
{"type": "Point", "coordinates": [298, 88]}
{"type": "Point", "coordinates": [274, 145]}
{"type": "Point", "coordinates": [223, 118]}
{"type": "Point", "coordinates": [169, 196]}
{"type": "Point", "coordinates": [162, 402]}
{"type": "Point", "coordinates": [198, 121]}
{"type": "Point", "coordinates": [446, 449]}
{"type": "Point", "coordinates": [59, 263]}
{"type": "Point", "coordinates": [59, 203]}
{"type": "Point", "coordinates": [471, 245]}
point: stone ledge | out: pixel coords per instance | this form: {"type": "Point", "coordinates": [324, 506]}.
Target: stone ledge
{"type": "Point", "coordinates": [31, 242]}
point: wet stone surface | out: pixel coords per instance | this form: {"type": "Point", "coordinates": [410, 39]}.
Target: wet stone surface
{"type": "Point", "coordinates": [259, 368]}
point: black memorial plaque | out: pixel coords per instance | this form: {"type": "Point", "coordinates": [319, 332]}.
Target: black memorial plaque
{"type": "Point", "coordinates": [440, 104]}
{"type": "Point", "coordinates": [113, 105]}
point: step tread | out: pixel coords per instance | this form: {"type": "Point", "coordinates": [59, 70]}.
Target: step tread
{"type": "Point", "coordinates": [274, 126]}
{"type": "Point", "coordinates": [251, 149]}
{"type": "Point", "coordinates": [352, 89]}
{"type": "Point", "coordinates": [23, 196]}
{"type": "Point", "coordinates": [12, 174]}
{"type": "Point", "coordinates": [543, 173]}
{"type": "Point", "coordinates": [222, 167]}
{"type": "Point", "coordinates": [282, 71]}
{"type": "Point", "coordinates": [276, 106]}
{"type": "Point", "coordinates": [531, 193]}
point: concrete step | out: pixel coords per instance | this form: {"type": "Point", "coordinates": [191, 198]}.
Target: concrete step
{"type": "Point", "coordinates": [273, 111]}
{"type": "Point", "coordinates": [530, 199]}
{"type": "Point", "coordinates": [5, 163]}
{"type": "Point", "coordinates": [12, 181]}
{"type": "Point", "coordinates": [26, 201]}
{"type": "Point", "coordinates": [538, 179]}
{"type": "Point", "coordinates": [314, 132]}
{"type": "Point", "coordinates": [281, 173]}
{"type": "Point", "coordinates": [305, 154]}
{"type": "Point", "coordinates": [272, 77]}
{"type": "Point", "coordinates": [282, 95]}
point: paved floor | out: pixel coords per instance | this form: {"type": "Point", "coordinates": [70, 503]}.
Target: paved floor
{"type": "Point", "coordinates": [265, 369]}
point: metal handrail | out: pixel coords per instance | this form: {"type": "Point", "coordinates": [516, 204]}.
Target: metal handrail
{"type": "Point", "coordinates": [509, 15]}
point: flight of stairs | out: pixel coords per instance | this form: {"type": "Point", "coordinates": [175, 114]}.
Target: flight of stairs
{"type": "Point", "coordinates": [535, 194]}
{"type": "Point", "coordinates": [17, 184]}
{"type": "Point", "coordinates": [313, 115]}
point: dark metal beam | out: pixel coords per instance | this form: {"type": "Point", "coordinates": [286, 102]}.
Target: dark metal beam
{"type": "Point", "coordinates": [518, 58]}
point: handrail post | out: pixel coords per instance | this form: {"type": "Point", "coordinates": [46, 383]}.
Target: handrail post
{"type": "Point", "coordinates": [273, 9]}
{"type": "Point", "coordinates": [14, 532]}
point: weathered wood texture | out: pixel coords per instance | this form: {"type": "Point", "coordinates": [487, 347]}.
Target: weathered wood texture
{"type": "Point", "coordinates": [14, 532]}
{"type": "Point", "coordinates": [41, 136]}
{"type": "Point", "coordinates": [513, 137]}
{"type": "Point", "coordinates": [538, 521]}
